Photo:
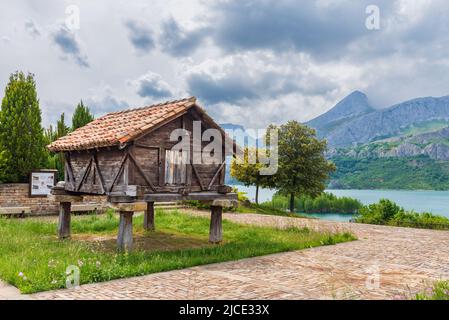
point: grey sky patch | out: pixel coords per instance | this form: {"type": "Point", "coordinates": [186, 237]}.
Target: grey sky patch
{"type": "Point", "coordinates": [67, 42]}
{"type": "Point", "coordinates": [106, 104]}
{"type": "Point", "coordinates": [209, 90]}
{"type": "Point", "coordinates": [179, 42]}
{"type": "Point", "coordinates": [140, 36]}
{"type": "Point", "coordinates": [32, 29]}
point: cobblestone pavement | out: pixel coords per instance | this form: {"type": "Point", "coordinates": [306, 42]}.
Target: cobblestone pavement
{"type": "Point", "coordinates": [8, 292]}
{"type": "Point", "coordinates": [385, 263]}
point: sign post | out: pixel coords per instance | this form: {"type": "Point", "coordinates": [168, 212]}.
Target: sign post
{"type": "Point", "coordinates": [41, 182]}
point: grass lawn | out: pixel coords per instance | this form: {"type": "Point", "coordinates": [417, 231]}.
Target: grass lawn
{"type": "Point", "coordinates": [33, 259]}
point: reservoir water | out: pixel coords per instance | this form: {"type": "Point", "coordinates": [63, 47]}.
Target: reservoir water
{"type": "Point", "coordinates": [436, 202]}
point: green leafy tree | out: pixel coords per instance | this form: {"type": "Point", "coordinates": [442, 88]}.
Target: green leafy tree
{"type": "Point", "coordinates": [303, 169]}
{"type": "Point", "coordinates": [22, 144]}
{"type": "Point", "coordinates": [81, 116]}
{"type": "Point", "coordinates": [247, 170]}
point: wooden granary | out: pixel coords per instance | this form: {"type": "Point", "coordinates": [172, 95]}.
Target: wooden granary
{"type": "Point", "coordinates": [133, 157]}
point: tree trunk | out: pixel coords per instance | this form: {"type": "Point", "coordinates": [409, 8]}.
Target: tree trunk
{"type": "Point", "coordinates": [257, 194]}
{"type": "Point", "coordinates": [292, 202]}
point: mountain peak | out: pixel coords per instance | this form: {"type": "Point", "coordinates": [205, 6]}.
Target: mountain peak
{"type": "Point", "coordinates": [352, 105]}
{"type": "Point", "coordinates": [358, 98]}
{"type": "Point", "coordinates": [357, 95]}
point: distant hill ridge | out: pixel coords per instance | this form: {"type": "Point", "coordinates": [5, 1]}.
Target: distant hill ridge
{"type": "Point", "coordinates": [354, 121]}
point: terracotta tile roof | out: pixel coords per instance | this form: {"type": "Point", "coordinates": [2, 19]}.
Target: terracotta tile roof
{"type": "Point", "coordinates": [120, 127]}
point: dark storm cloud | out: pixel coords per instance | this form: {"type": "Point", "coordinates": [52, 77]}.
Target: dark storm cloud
{"type": "Point", "coordinates": [238, 79]}
{"type": "Point", "coordinates": [140, 36]}
{"type": "Point", "coordinates": [306, 26]}
{"type": "Point", "coordinates": [230, 89]}
{"type": "Point", "coordinates": [178, 42]}
{"type": "Point", "coordinates": [67, 42]}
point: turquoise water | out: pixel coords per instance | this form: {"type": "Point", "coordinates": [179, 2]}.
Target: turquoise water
{"type": "Point", "coordinates": [436, 202]}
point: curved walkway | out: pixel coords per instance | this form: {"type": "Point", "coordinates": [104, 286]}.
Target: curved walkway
{"type": "Point", "coordinates": [385, 263]}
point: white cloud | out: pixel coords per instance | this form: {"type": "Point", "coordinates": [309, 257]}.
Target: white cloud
{"type": "Point", "coordinates": [151, 85]}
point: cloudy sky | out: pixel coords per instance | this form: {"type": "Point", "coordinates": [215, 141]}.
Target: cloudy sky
{"type": "Point", "coordinates": [249, 62]}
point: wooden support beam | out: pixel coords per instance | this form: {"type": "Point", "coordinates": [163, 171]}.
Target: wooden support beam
{"type": "Point", "coordinates": [125, 232]}
{"type": "Point", "coordinates": [122, 163]}
{"type": "Point", "coordinates": [69, 170]}
{"type": "Point", "coordinates": [139, 169]}
{"type": "Point", "coordinates": [64, 231]}
{"type": "Point", "coordinates": [196, 174]}
{"type": "Point", "coordinates": [216, 227]}
{"type": "Point", "coordinates": [100, 175]}
{"type": "Point", "coordinates": [85, 174]}
{"type": "Point", "coordinates": [148, 219]}
{"type": "Point", "coordinates": [200, 196]}
{"type": "Point", "coordinates": [217, 173]}
{"type": "Point", "coordinates": [132, 206]}
{"type": "Point", "coordinates": [161, 169]}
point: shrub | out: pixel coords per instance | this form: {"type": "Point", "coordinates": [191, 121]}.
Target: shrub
{"type": "Point", "coordinates": [387, 212]}
{"type": "Point", "coordinates": [324, 203]}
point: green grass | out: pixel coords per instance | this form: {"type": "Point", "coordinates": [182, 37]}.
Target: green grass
{"type": "Point", "coordinates": [440, 291]}
{"type": "Point", "coordinates": [33, 259]}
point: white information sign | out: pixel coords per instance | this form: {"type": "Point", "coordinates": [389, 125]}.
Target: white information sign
{"type": "Point", "coordinates": [41, 183]}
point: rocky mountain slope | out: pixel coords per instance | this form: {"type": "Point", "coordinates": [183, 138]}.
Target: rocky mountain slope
{"type": "Point", "coordinates": [434, 145]}
{"type": "Point", "coordinates": [353, 121]}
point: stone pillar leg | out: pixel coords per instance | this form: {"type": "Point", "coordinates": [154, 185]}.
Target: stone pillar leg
{"type": "Point", "coordinates": [125, 232]}
{"type": "Point", "coordinates": [216, 228]}
{"type": "Point", "coordinates": [148, 219]}
{"type": "Point", "coordinates": [64, 220]}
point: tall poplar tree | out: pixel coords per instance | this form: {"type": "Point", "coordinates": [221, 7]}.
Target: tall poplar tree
{"type": "Point", "coordinates": [57, 160]}
{"type": "Point", "coordinates": [81, 116]}
{"type": "Point", "coordinates": [22, 144]}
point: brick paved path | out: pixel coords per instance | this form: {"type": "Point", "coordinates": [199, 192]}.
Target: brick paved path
{"type": "Point", "coordinates": [385, 263]}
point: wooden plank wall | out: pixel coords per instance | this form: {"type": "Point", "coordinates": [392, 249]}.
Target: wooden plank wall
{"type": "Point", "coordinates": [143, 164]}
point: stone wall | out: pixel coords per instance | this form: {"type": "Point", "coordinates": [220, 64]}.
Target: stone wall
{"type": "Point", "coordinates": [17, 195]}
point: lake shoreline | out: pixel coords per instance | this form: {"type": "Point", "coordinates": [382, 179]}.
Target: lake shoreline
{"type": "Point", "coordinates": [433, 201]}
